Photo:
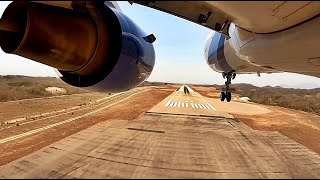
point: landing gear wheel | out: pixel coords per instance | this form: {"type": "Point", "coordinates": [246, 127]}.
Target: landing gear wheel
{"type": "Point", "coordinates": [222, 96]}
{"type": "Point", "coordinates": [228, 96]}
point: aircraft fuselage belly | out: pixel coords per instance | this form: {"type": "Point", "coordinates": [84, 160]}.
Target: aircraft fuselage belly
{"type": "Point", "coordinates": [293, 50]}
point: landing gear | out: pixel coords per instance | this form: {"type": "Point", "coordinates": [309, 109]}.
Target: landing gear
{"type": "Point", "coordinates": [222, 96]}
{"type": "Point", "coordinates": [227, 94]}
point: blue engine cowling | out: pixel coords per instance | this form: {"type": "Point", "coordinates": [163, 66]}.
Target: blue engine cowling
{"type": "Point", "coordinates": [132, 57]}
{"type": "Point", "coordinates": [214, 53]}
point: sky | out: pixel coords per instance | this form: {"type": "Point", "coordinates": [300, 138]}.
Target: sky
{"type": "Point", "coordinates": [179, 51]}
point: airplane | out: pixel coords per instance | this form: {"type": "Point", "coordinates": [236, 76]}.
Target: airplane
{"type": "Point", "coordinates": [93, 44]}
{"type": "Point", "coordinates": [186, 90]}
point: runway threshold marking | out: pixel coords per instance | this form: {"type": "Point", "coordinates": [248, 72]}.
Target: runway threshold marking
{"type": "Point", "coordinates": [194, 105]}
{"type": "Point", "coordinates": [182, 104]}
{"type": "Point", "coordinates": [206, 105]}
{"type": "Point", "coordinates": [64, 122]}
{"type": "Point", "coordinates": [205, 101]}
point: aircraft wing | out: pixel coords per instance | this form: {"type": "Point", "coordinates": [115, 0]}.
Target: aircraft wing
{"type": "Point", "coordinates": [262, 17]}
{"type": "Point", "coordinates": [255, 16]}
{"type": "Point", "coordinates": [199, 12]}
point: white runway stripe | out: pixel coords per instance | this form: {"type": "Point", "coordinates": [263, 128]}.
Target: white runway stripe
{"type": "Point", "coordinates": [211, 107]}
{"type": "Point", "coordinates": [185, 104]}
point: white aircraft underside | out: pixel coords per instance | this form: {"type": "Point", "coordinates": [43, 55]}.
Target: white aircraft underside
{"type": "Point", "coordinates": [264, 36]}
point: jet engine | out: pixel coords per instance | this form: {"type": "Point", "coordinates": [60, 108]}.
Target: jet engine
{"type": "Point", "coordinates": [91, 44]}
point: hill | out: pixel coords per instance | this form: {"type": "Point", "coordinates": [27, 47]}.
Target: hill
{"type": "Point", "coordinates": [300, 99]}
{"type": "Point", "coordinates": [14, 87]}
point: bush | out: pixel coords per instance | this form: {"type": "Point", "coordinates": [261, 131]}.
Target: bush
{"type": "Point", "coordinates": [299, 99]}
{"type": "Point", "coordinates": [17, 84]}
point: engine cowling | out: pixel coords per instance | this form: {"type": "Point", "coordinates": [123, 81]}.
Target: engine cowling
{"type": "Point", "coordinates": [222, 56]}
{"type": "Point", "coordinates": [93, 46]}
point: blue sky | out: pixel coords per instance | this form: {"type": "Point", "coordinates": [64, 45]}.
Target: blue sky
{"type": "Point", "coordinates": [179, 54]}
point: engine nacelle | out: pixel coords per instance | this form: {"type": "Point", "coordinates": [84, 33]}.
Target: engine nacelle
{"type": "Point", "coordinates": [223, 55]}
{"type": "Point", "coordinates": [94, 46]}
{"type": "Point", "coordinates": [214, 53]}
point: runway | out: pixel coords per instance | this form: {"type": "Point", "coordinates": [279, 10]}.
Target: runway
{"type": "Point", "coordinates": [171, 142]}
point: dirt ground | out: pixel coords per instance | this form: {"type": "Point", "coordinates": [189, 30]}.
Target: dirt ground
{"type": "Point", "coordinates": [168, 146]}
{"type": "Point", "coordinates": [127, 110]}
{"type": "Point", "coordinates": [300, 126]}
{"type": "Point", "coordinates": [30, 107]}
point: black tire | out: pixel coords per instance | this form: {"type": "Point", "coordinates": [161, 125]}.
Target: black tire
{"type": "Point", "coordinates": [222, 96]}
{"type": "Point", "coordinates": [228, 96]}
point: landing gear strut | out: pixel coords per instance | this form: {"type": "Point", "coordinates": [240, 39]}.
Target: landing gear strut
{"type": "Point", "coordinates": [227, 94]}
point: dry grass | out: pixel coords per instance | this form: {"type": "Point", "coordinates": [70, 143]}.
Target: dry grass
{"type": "Point", "coordinates": [24, 87]}
{"type": "Point", "coordinates": [300, 99]}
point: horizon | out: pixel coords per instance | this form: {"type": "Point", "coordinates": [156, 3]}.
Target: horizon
{"type": "Point", "coordinates": [231, 85]}
{"type": "Point", "coordinates": [177, 83]}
